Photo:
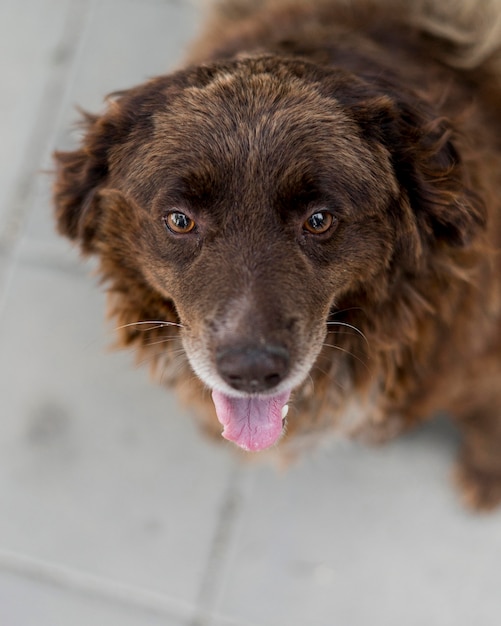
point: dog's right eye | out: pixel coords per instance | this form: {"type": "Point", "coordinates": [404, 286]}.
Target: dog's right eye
{"type": "Point", "coordinates": [179, 223]}
{"type": "Point", "coordinates": [319, 223]}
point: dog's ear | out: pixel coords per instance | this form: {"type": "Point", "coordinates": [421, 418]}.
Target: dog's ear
{"type": "Point", "coordinates": [83, 173]}
{"type": "Point", "coordinates": [427, 165]}
{"type": "Point", "coordinates": [80, 174]}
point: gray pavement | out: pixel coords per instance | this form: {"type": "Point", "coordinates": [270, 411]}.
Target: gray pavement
{"type": "Point", "coordinates": [114, 511]}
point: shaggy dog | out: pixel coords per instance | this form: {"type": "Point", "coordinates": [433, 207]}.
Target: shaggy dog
{"type": "Point", "coordinates": [309, 212]}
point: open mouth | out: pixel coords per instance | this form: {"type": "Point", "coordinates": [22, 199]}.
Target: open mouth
{"type": "Point", "coordinates": [254, 423]}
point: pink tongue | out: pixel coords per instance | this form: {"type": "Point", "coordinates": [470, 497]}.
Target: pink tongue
{"type": "Point", "coordinates": [253, 423]}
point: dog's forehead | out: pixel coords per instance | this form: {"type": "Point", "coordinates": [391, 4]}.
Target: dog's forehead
{"type": "Point", "coordinates": [246, 99]}
{"type": "Point", "coordinates": [249, 126]}
{"type": "Point", "coordinates": [248, 120]}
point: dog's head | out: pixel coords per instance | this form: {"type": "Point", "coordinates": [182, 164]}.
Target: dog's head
{"type": "Point", "coordinates": [252, 197]}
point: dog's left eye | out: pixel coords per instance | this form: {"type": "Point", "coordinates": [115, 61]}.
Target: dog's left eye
{"type": "Point", "coordinates": [179, 223]}
{"type": "Point", "coordinates": [319, 222]}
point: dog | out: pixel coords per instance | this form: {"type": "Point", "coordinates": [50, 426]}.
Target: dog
{"type": "Point", "coordinates": [300, 228]}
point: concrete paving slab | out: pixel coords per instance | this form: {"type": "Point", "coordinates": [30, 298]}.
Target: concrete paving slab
{"type": "Point", "coordinates": [25, 68]}
{"type": "Point", "coordinates": [365, 536]}
{"type": "Point", "coordinates": [99, 470]}
{"type": "Point", "coordinates": [28, 602]}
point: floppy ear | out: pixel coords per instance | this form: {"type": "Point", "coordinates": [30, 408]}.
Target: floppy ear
{"type": "Point", "coordinates": [79, 176]}
{"type": "Point", "coordinates": [427, 165]}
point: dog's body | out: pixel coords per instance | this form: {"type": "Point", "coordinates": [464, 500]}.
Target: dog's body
{"type": "Point", "coordinates": [311, 213]}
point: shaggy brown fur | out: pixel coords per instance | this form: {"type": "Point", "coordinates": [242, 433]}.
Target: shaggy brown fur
{"type": "Point", "coordinates": [311, 206]}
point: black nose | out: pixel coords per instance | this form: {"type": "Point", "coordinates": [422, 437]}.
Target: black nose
{"type": "Point", "coordinates": [253, 369]}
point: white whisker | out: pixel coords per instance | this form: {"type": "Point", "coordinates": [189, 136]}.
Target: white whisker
{"type": "Point", "coordinates": [351, 308]}
{"type": "Point", "coordinates": [177, 364]}
{"type": "Point", "coordinates": [154, 325]}
{"type": "Point", "coordinates": [160, 341]}
{"type": "Point", "coordinates": [327, 373]}
{"type": "Point", "coordinates": [153, 355]}
{"type": "Point", "coordinates": [331, 345]}
{"type": "Point", "coordinates": [334, 323]}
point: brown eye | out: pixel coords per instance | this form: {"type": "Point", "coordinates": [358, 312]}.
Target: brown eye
{"type": "Point", "coordinates": [179, 223]}
{"type": "Point", "coordinates": [319, 222]}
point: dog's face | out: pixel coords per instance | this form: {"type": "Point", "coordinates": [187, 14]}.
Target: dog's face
{"type": "Point", "coordinates": [254, 196]}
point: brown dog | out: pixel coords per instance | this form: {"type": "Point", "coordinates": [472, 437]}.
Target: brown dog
{"type": "Point", "coordinates": [310, 212]}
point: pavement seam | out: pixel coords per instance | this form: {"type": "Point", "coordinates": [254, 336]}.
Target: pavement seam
{"type": "Point", "coordinates": [97, 587]}
{"type": "Point", "coordinates": [229, 514]}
